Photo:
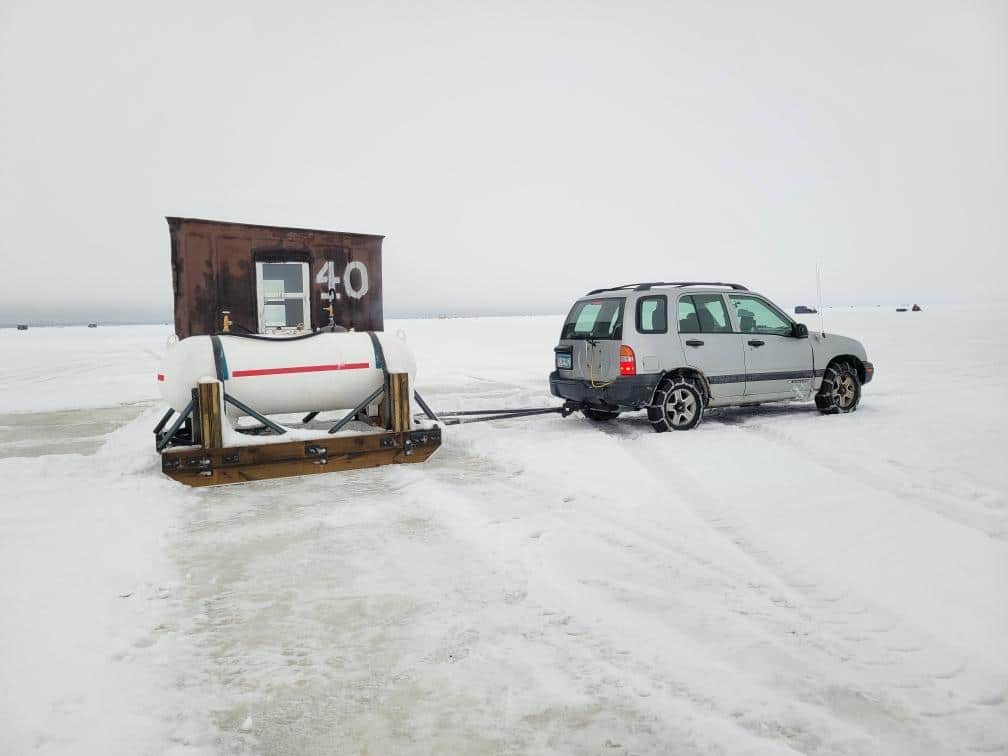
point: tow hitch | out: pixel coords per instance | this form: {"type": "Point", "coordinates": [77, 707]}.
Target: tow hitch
{"type": "Point", "coordinates": [464, 417]}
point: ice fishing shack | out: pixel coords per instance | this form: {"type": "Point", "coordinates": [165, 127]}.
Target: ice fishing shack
{"type": "Point", "coordinates": [248, 278]}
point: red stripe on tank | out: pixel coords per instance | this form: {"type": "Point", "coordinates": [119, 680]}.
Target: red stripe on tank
{"type": "Point", "coordinates": [300, 369]}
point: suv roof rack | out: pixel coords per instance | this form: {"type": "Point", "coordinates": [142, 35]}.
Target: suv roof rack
{"type": "Point", "coordinates": [652, 284]}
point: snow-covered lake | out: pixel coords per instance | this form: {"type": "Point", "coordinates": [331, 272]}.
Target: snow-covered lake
{"type": "Point", "coordinates": [775, 582]}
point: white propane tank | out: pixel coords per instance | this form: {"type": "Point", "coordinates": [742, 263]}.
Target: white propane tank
{"type": "Point", "coordinates": [325, 371]}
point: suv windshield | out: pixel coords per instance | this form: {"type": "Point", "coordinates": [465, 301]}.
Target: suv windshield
{"type": "Point", "coordinates": [595, 319]}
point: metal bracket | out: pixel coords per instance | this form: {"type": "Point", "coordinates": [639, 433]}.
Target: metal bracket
{"type": "Point", "coordinates": [230, 459]}
{"type": "Point", "coordinates": [162, 423]}
{"type": "Point", "coordinates": [279, 429]}
{"type": "Point", "coordinates": [426, 409]}
{"type": "Point", "coordinates": [431, 436]}
{"type": "Point", "coordinates": [353, 413]}
{"type": "Point", "coordinates": [320, 453]}
{"type": "Point", "coordinates": [164, 439]}
{"type": "Point", "coordinates": [204, 463]}
{"type": "Point", "coordinates": [388, 442]}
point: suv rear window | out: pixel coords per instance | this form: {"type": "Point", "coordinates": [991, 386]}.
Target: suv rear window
{"type": "Point", "coordinates": [595, 319]}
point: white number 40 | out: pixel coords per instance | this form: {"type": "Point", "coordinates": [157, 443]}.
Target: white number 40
{"type": "Point", "coordinates": [327, 279]}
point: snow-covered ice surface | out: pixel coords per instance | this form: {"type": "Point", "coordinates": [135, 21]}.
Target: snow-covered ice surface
{"type": "Point", "coordinates": [775, 582]}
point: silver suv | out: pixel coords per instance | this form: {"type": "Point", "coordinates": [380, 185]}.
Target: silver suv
{"type": "Point", "coordinates": [723, 345]}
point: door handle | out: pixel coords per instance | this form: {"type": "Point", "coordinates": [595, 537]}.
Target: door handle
{"type": "Point", "coordinates": [694, 342]}
{"type": "Point", "coordinates": [756, 343]}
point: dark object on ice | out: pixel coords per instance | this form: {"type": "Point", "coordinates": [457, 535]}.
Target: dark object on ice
{"type": "Point", "coordinates": [916, 308]}
{"type": "Point", "coordinates": [271, 279]}
{"type": "Point", "coordinates": [803, 310]}
{"type": "Point", "coordinates": [22, 326]}
{"type": "Point", "coordinates": [901, 309]}
{"type": "Point", "coordinates": [92, 325]}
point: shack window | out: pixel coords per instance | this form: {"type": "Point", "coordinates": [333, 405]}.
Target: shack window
{"type": "Point", "coordinates": [282, 289]}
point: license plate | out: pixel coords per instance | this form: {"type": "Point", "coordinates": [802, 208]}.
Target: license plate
{"type": "Point", "coordinates": [563, 361]}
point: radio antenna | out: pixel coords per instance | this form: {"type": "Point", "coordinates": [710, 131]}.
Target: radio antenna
{"type": "Point", "coordinates": [818, 281]}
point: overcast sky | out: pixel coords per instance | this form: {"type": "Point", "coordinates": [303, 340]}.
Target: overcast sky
{"type": "Point", "coordinates": [515, 154]}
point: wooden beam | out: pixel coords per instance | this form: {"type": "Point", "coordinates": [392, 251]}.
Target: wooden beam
{"type": "Point", "coordinates": [399, 397]}
{"type": "Point", "coordinates": [209, 393]}
{"type": "Point", "coordinates": [235, 464]}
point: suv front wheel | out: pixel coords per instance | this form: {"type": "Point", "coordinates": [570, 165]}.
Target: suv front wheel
{"type": "Point", "coordinates": [840, 390]}
{"type": "Point", "coordinates": [677, 405]}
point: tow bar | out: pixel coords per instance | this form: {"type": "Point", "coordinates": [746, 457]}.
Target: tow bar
{"type": "Point", "coordinates": [465, 417]}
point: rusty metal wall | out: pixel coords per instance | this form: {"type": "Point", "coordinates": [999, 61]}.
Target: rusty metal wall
{"type": "Point", "coordinates": [213, 270]}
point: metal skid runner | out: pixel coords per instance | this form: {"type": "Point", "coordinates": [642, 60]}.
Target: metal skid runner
{"type": "Point", "coordinates": [192, 450]}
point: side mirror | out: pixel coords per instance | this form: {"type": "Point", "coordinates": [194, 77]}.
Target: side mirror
{"type": "Point", "coordinates": [799, 331]}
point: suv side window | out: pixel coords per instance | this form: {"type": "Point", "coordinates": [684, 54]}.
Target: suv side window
{"type": "Point", "coordinates": [652, 316]}
{"type": "Point", "coordinates": [758, 316]}
{"type": "Point", "coordinates": [688, 321]}
{"type": "Point", "coordinates": [712, 313]}
{"type": "Point", "coordinates": [703, 313]}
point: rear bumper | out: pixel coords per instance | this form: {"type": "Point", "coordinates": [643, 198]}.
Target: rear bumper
{"type": "Point", "coordinates": [629, 393]}
{"type": "Point", "coordinates": [869, 372]}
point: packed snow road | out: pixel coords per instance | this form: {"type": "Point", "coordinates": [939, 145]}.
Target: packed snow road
{"type": "Point", "coordinates": [774, 582]}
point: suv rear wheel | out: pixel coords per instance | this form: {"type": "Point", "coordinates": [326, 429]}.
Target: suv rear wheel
{"type": "Point", "coordinates": [840, 390]}
{"type": "Point", "coordinates": [677, 405]}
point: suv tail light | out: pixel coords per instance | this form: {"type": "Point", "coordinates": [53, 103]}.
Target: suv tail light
{"type": "Point", "coordinates": [627, 361]}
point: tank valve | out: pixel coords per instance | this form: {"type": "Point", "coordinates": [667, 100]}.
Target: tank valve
{"type": "Point", "coordinates": [226, 328]}
{"type": "Point", "coordinates": [330, 310]}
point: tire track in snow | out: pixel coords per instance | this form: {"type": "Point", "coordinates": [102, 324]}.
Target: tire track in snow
{"type": "Point", "coordinates": [601, 656]}
{"type": "Point", "coordinates": [932, 697]}
{"type": "Point", "coordinates": [992, 524]}
{"type": "Point", "coordinates": [649, 551]}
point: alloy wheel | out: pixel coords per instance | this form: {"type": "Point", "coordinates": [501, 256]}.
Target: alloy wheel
{"type": "Point", "coordinates": [844, 391]}
{"type": "Point", "coordinates": [681, 407]}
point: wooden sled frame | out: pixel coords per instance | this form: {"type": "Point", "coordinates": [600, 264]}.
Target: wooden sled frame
{"type": "Point", "coordinates": [208, 463]}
